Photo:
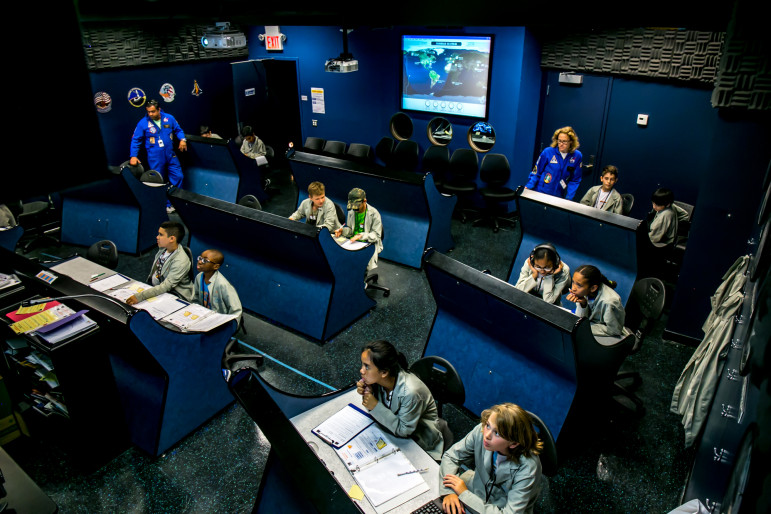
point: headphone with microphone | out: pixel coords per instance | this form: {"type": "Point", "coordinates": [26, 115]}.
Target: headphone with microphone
{"type": "Point", "coordinates": [548, 247]}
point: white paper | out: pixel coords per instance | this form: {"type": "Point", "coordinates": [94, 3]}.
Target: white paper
{"type": "Point", "coordinates": [109, 282]}
{"type": "Point", "coordinates": [354, 245]}
{"type": "Point", "coordinates": [192, 313]}
{"type": "Point", "coordinates": [343, 425]}
{"type": "Point", "coordinates": [317, 100]}
{"type": "Point", "coordinates": [381, 482]}
{"type": "Point", "coordinates": [367, 447]}
{"type": "Point", "coordinates": [210, 322]}
{"type": "Point", "coordinates": [162, 305]}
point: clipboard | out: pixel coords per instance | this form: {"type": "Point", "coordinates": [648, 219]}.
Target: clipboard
{"type": "Point", "coordinates": [342, 426]}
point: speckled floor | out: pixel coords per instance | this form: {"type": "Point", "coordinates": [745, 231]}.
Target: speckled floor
{"type": "Point", "coordinates": [610, 461]}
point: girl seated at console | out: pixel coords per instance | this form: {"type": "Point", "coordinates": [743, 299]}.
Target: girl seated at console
{"type": "Point", "coordinates": [543, 274]}
{"type": "Point", "coordinates": [595, 299]}
{"type": "Point", "coordinates": [506, 470]}
{"type": "Point", "coordinates": [398, 399]}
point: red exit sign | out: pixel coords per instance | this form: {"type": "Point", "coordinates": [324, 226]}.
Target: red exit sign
{"type": "Point", "coordinates": [274, 43]}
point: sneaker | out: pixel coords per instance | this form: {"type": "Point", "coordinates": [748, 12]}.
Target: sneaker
{"type": "Point", "coordinates": [170, 209]}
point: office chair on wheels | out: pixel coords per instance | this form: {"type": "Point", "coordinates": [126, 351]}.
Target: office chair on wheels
{"type": "Point", "coordinates": [548, 455]}
{"type": "Point", "coordinates": [370, 280]}
{"type": "Point", "coordinates": [495, 172]}
{"type": "Point", "coordinates": [643, 309]}
{"type": "Point", "coordinates": [445, 385]}
{"type": "Point", "coordinates": [103, 252]}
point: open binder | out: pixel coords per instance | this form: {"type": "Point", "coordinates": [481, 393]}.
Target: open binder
{"type": "Point", "coordinates": [343, 425]}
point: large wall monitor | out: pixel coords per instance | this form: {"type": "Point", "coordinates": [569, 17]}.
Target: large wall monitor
{"type": "Point", "coordinates": [447, 75]}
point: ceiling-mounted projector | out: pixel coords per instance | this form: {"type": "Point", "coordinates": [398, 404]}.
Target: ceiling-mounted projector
{"type": "Point", "coordinates": [221, 37]}
{"type": "Point", "coordinates": [344, 63]}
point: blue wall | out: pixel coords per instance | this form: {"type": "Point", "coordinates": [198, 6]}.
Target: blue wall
{"type": "Point", "coordinates": [359, 105]}
{"type": "Point", "coordinates": [214, 107]}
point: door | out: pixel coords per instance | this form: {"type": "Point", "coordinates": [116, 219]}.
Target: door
{"type": "Point", "coordinates": [581, 106]}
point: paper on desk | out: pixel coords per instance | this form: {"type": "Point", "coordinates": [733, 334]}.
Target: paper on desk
{"type": "Point", "coordinates": [192, 313]}
{"type": "Point", "coordinates": [343, 425]}
{"type": "Point", "coordinates": [381, 482]}
{"type": "Point", "coordinates": [354, 245]}
{"type": "Point", "coordinates": [210, 322]}
{"type": "Point", "coordinates": [162, 305]}
{"type": "Point", "coordinates": [79, 325]}
{"type": "Point", "coordinates": [109, 282]}
{"type": "Point", "coordinates": [369, 446]}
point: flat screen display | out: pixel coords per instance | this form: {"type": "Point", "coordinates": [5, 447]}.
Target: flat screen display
{"type": "Point", "coordinates": [446, 75]}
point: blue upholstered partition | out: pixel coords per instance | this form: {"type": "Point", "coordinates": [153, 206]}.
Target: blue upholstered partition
{"type": "Point", "coordinates": [121, 209]}
{"type": "Point", "coordinates": [582, 235]}
{"type": "Point", "coordinates": [507, 345]}
{"type": "Point", "coordinates": [172, 383]}
{"type": "Point", "coordinates": [9, 238]}
{"type": "Point", "coordinates": [415, 215]}
{"type": "Point", "coordinates": [284, 270]}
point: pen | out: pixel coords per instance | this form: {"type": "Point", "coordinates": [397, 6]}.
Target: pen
{"type": "Point", "coordinates": [423, 470]}
{"type": "Point", "coordinates": [94, 277]}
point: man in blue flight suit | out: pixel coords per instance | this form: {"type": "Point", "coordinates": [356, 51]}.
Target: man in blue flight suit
{"type": "Point", "coordinates": [155, 130]}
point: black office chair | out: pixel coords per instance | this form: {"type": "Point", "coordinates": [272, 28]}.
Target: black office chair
{"type": "Point", "coordinates": [384, 150]}
{"type": "Point", "coordinates": [334, 148]}
{"type": "Point", "coordinates": [151, 177]}
{"type": "Point", "coordinates": [548, 456]}
{"type": "Point", "coordinates": [371, 279]}
{"type": "Point", "coordinates": [314, 144]}
{"type": "Point", "coordinates": [192, 271]}
{"type": "Point", "coordinates": [233, 362]}
{"type": "Point", "coordinates": [446, 386]}
{"type": "Point", "coordinates": [135, 170]}
{"type": "Point", "coordinates": [103, 252]}
{"type": "Point", "coordinates": [646, 302]}
{"type": "Point", "coordinates": [628, 199]}
{"type": "Point", "coordinates": [340, 213]}
{"type": "Point", "coordinates": [461, 179]}
{"type": "Point", "coordinates": [436, 160]}
{"type": "Point", "coordinates": [250, 201]}
{"type": "Point", "coordinates": [359, 152]}
{"type": "Point", "coordinates": [405, 156]}
{"type": "Point", "coordinates": [40, 220]}
{"type": "Point", "coordinates": [495, 172]}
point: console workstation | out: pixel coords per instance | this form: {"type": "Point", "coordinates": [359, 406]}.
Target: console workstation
{"type": "Point", "coordinates": [128, 377]}
{"type": "Point", "coordinates": [123, 209]}
{"type": "Point", "coordinates": [581, 235]}
{"type": "Point", "coordinates": [280, 264]}
{"type": "Point", "coordinates": [510, 346]}
{"type": "Point", "coordinates": [217, 168]}
{"type": "Point", "coordinates": [415, 215]}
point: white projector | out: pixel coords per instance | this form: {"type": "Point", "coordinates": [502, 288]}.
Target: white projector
{"type": "Point", "coordinates": [341, 66]}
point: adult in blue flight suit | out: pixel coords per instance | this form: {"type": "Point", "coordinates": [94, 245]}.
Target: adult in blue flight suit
{"type": "Point", "coordinates": [558, 169]}
{"type": "Point", "coordinates": [155, 130]}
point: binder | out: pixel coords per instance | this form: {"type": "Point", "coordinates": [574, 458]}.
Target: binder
{"type": "Point", "coordinates": [343, 425]}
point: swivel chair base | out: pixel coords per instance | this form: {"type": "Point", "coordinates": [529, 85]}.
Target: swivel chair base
{"type": "Point", "coordinates": [370, 282]}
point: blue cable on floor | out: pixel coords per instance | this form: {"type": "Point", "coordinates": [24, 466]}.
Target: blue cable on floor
{"type": "Point", "coordinates": [286, 365]}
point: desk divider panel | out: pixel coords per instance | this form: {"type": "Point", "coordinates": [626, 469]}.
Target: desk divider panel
{"type": "Point", "coordinates": [415, 215]}
{"type": "Point", "coordinates": [294, 479]}
{"type": "Point", "coordinates": [210, 169]}
{"type": "Point", "coordinates": [171, 384]}
{"type": "Point", "coordinates": [286, 271]}
{"type": "Point", "coordinates": [582, 235]}
{"type": "Point", "coordinates": [121, 209]}
{"type": "Point", "coordinates": [507, 345]}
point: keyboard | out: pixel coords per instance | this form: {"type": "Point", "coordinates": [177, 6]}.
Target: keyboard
{"type": "Point", "coordinates": [432, 507]}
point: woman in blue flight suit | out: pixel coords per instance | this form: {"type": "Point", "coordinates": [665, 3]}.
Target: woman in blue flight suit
{"type": "Point", "coordinates": [558, 169]}
{"type": "Point", "coordinates": [156, 130]}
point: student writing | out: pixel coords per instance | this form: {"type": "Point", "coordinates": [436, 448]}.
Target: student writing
{"type": "Point", "coordinates": [171, 267]}
{"type": "Point", "coordinates": [396, 398]}
{"type": "Point", "coordinates": [506, 474]}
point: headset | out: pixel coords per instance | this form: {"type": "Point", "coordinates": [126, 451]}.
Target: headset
{"type": "Point", "coordinates": [546, 246]}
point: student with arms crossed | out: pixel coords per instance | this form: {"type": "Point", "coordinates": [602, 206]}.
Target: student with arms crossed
{"type": "Point", "coordinates": [397, 399]}
{"type": "Point", "coordinates": [544, 274]}
{"type": "Point", "coordinates": [169, 273]}
{"type": "Point", "coordinates": [506, 475]}
{"type": "Point", "coordinates": [211, 289]}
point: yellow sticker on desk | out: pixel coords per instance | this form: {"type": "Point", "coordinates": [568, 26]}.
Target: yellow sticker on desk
{"type": "Point", "coordinates": [32, 308]}
{"type": "Point", "coordinates": [356, 493]}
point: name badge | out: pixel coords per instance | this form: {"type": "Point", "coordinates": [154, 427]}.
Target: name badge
{"type": "Point", "coordinates": [160, 142]}
{"type": "Point", "coordinates": [562, 183]}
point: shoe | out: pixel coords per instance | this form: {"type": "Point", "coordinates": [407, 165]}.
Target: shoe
{"type": "Point", "coordinates": [170, 209]}
{"type": "Point", "coordinates": [267, 183]}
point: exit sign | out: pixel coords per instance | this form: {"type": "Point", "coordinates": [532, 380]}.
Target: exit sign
{"type": "Point", "coordinates": [274, 42]}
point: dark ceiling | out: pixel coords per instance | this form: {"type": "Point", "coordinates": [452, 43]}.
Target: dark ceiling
{"type": "Point", "coordinates": [559, 17]}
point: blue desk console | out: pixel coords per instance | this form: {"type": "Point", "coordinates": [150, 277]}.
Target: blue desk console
{"type": "Point", "coordinates": [509, 346]}
{"type": "Point", "coordinates": [217, 168]}
{"type": "Point", "coordinates": [284, 270]}
{"type": "Point", "coordinates": [169, 382]}
{"type": "Point", "coordinates": [9, 238]}
{"type": "Point", "coordinates": [582, 235]}
{"type": "Point", "coordinates": [415, 215]}
{"type": "Point", "coordinates": [121, 209]}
